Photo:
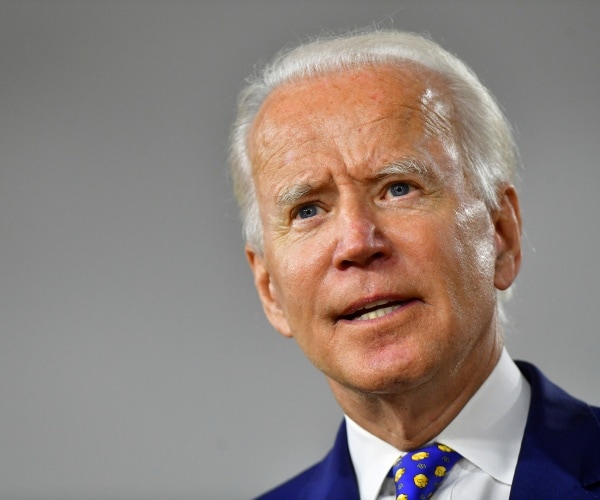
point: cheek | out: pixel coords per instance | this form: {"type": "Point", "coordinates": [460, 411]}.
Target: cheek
{"type": "Point", "coordinates": [474, 241]}
{"type": "Point", "coordinates": [477, 249]}
{"type": "Point", "coordinates": [472, 269]}
{"type": "Point", "coordinates": [297, 278]}
{"type": "Point", "coordinates": [454, 256]}
{"type": "Point", "coordinates": [485, 257]}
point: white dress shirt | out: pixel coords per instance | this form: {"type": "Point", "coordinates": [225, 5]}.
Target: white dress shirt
{"type": "Point", "coordinates": [487, 433]}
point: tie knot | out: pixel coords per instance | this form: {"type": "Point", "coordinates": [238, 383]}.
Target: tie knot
{"type": "Point", "coordinates": [419, 473]}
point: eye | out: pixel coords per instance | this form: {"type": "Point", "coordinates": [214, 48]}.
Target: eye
{"type": "Point", "coordinates": [307, 211]}
{"type": "Point", "coordinates": [399, 189]}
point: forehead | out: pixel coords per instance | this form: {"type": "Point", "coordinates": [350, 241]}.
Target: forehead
{"type": "Point", "coordinates": [362, 113]}
{"type": "Point", "coordinates": [377, 85]}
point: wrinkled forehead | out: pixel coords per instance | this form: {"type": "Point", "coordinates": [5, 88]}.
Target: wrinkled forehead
{"type": "Point", "coordinates": [402, 90]}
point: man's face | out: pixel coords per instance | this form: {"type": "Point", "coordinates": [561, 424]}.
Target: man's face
{"type": "Point", "coordinates": [378, 259]}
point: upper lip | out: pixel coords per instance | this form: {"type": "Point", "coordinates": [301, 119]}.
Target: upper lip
{"type": "Point", "coordinates": [362, 306]}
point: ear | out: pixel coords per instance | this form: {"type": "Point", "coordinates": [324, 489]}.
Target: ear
{"type": "Point", "coordinates": [267, 292]}
{"type": "Point", "coordinates": [507, 225]}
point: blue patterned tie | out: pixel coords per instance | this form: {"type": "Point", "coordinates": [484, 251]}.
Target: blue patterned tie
{"type": "Point", "coordinates": [419, 473]}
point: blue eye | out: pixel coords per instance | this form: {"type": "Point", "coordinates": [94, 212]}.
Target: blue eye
{"type": "Point", "coordinates": [399, 189]}
{"type": "Point", "coordinates": [308, 211]}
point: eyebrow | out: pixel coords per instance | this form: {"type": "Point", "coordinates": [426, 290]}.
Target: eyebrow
{"type": "Point", "coordinates": [294, 193]}
{"type": "Point", "coordinates": [404, 166]}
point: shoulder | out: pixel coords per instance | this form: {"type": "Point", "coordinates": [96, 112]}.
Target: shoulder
{"type": "Point", "coordinates": [294, 488]}
{"type": "Point", "coordinates": [331, 478]}
{"type": "Point", "coordinates": [559, 451]}
{"type": "Point", "coordinates": [548, 398]}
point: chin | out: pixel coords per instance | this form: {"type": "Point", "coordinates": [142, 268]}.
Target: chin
{"type": "Point", "coordinates": [387, 377]}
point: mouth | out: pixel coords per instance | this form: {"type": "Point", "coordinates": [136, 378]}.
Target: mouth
{"type": "Point", "coordinates": [374, 310]}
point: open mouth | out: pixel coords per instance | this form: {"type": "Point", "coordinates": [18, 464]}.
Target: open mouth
{"type": "Point", "coordinates": [375, 310]}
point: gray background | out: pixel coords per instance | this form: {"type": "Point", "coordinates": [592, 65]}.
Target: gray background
{"type": "Point", "coordinates": [135, 362]}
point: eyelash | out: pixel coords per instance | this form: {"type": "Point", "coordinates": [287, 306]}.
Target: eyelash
{"type": "Point", "coordinates": [407, 187]}
{"type": "Point", "coordinates": [297, 213]}
{"type": "Point", "coordinates": [304, 209]}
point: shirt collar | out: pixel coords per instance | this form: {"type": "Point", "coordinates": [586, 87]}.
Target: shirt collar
{"type": "Point", "coordinates": [372, 459]}
{"type": "Point", "coordinates": [487, 432]}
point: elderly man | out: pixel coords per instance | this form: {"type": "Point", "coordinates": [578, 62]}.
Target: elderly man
{"type": "Point", "coordinates": [374, 174]}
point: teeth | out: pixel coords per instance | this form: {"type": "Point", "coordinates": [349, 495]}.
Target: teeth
{"type": "Point", "coordinates": [378, 313]}
{"type": "Point", "coordinates": [377, 303]}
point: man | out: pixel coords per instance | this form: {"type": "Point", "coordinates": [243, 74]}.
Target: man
{"type": "Point", "coordinates": [375, 178]}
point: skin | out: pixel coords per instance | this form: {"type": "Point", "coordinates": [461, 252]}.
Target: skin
{"type": "Point", "coordinates": [344, 230]}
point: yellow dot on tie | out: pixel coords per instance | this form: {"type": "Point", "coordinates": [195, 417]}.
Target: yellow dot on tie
{"type": "Point", "coordinates": [444, 448]}
{"type": "Point", "coordinates": [420, 480]}
{"type": "Point", "coordinates": [402, 496]}
{"type": "Point", "coordinates": [398, 475]}
{"type": "Point", "coordinates": [420, 455]}
{"type": "Point", "coordinates": [440, 471]}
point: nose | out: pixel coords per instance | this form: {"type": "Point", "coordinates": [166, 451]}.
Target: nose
{"type": "Point", "coordinates": [360, 242]}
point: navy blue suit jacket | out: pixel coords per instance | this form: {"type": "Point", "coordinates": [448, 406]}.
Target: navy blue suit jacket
{"type": "Point", "coordinates": [559, 457]}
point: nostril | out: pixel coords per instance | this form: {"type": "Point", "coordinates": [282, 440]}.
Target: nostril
{"type": "Point", "coordinates": [347, 263]}
{"type": "Point", "coordinates": [375, 257]}
{"type": "Point", "coordinates": [360, 244]}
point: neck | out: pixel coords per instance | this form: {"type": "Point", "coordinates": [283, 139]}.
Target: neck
{"type": "Point", "coordinates": [409, 418]}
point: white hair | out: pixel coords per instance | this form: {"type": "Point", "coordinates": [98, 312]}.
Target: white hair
{"type": "Point", "coordinates": [485, 135]}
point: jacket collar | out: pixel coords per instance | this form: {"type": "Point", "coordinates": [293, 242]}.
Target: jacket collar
{"type": "Point", "coordinates": [558, 459]}
{"type": "Point", "coordinates": [559, 454]}
{"type": "Point", "coordinates": [337, 477]}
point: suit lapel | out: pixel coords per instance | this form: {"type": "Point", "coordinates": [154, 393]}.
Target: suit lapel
{"type": "Point", "coordinates": [559, 455]}
{"type": "Point", "coordinates": [336, 478]}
